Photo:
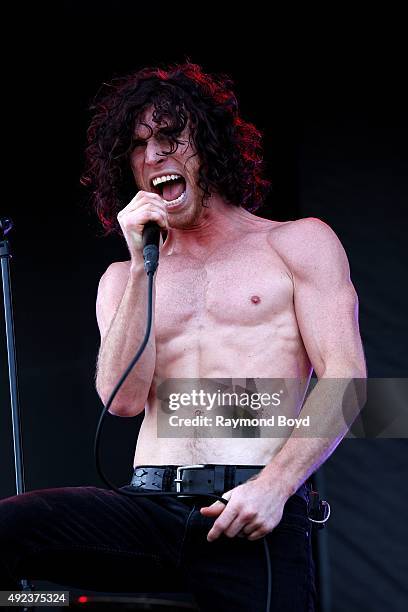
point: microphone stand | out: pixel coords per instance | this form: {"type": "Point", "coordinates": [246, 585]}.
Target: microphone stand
{"type": "Point", "coordinates": [5, 255]}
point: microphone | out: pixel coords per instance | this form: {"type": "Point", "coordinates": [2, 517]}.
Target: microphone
{"type": "Point", "coordinates": [151, 241]}
{"type": "Point", "coordinates": [6, 225]}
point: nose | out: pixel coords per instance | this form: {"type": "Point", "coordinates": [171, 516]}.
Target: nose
{"type": "Point", "coordinates": [153, 152]}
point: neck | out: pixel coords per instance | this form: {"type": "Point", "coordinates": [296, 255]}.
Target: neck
{"type": "Point", "coordinates": [216, 221]}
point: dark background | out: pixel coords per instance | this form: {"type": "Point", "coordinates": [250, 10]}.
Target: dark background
{"type": "Point", "coordinates": [328, 92]}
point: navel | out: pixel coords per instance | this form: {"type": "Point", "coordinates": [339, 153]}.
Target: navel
{"type": "Point", "coordinates": [255, 299]}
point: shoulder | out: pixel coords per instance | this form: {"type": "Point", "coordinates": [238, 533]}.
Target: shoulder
{"type": "Point", "coordinates": [307, 229]}
{"type": "Point", "coordinates": [309, 245]}
{"type": "Point", "coordinates": [115, 275]}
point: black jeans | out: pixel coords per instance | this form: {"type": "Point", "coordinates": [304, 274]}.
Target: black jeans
{"type": "Point", "coordinates": [101, 540]}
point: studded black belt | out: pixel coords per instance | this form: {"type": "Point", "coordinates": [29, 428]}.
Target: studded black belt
{"type": "Point", "coordinates": [197, 478]}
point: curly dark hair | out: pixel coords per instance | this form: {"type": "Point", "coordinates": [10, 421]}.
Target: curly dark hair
{"type": "Point", "coordinates": [229, 148]}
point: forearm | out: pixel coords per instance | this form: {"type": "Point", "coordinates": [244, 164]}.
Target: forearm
{"type": "Point", "coordinates": [118, 348]}
{"type": "Point", "coordinates": [331, 407]}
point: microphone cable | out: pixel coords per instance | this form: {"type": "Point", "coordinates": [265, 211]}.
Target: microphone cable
{"type": "Point", "coordinates": [150, 270]}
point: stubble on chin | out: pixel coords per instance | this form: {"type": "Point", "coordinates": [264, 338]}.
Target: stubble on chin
{"type": "Point", "coordinates": [188, 217]}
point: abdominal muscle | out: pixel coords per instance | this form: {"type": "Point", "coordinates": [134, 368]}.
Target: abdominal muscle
{"type": "Point", "coordinates": [287, 361]}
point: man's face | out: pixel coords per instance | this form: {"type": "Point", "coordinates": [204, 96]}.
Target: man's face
{"type": "Point", "coordinates": [173, 177]}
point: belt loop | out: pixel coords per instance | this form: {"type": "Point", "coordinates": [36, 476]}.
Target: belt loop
{"type": "Point", "coordinates": [168, 477]}
{"type": "Point", "coordinates": [219, 479]}
{"type": "Point", "coordinates": [229, 477]}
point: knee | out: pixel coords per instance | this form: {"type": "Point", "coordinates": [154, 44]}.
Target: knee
{"type": "Point", "coordinates": [19, 513]}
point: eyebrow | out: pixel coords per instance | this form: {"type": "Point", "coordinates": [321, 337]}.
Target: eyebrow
{"type": "Point", "coordinates": [142, 126]}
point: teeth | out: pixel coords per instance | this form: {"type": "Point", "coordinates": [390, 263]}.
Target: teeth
{"type": "Point", "coordinates": [170, 203]}
{"type": "Point", "coordinates": [165, 178]}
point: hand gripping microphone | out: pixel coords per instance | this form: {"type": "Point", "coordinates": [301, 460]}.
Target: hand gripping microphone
{"type": "Point", "coordinates": [151, 241]}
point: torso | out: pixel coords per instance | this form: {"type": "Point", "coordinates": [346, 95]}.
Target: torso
{"type": "Point", "coordinates": [229, 316]}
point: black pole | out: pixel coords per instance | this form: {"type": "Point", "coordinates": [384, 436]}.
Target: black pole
{"type": "Point", "coordinates": [5, 256]}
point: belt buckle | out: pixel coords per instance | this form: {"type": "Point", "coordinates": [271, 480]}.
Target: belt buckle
{"type": "Point", "coordinates": [179, 476]}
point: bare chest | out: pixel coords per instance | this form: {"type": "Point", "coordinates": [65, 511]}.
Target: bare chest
{"type": "Point", "coordinates": [242, 287]}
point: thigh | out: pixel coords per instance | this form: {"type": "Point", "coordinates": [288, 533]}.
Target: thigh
{"type": "Point", "coordinates": [292, 565]}
{"type": "Point", "coordinates": [227, 574]}
{"type": "Point", "coordinates": [89, 537]}
{"type": "Point", "coordinates": [233, 572]}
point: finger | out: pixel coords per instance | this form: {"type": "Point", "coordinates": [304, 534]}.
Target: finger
{"type": "Point", "coordinates": [237, 526]}
{"type": "Point", "coordinates": [143, 217]}
{"type": "Point", "coordinates": [141, 198]}
{"type": "Point", "coordinates": [243, 526]}
{"type": "Point", "coordinates": [250, 527]}
{"type": "Point", "coordinates": [218, 505]}
{"type": "Point", "coordinates": [214, 510]}
{"type": "Point", "coordinates": [149, 199]}
{"type": "Point", "coordinates": [159, 217]}
{"type": "Point", "coordinates": [142, 207]}
{"type": "Point", "coordinates": [221, 524]}
{"type": "Point", "coordinates": [141, 194]}
{"type": "Point", "coordinates": [257, 534]}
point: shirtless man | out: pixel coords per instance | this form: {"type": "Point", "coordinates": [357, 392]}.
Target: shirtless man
{"type": "Point", "coordinates": [236, 297]}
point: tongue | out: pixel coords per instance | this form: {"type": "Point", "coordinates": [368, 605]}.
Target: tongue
{"type": "Point", "coordinates": [173, 190]}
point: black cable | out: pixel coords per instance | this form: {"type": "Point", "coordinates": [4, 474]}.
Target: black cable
{"type": "Point", "coordinates": [113, 395]}
{"type": "Point", "coordinates": [269, 574]}
{"type": "Point", "coordinates": [97, 448]}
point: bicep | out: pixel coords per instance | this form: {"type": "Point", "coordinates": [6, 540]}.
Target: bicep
{"type": "Point", "coordinates": [328, 323]}
{"type": "Point", "coordinates": [326, 306]}
{"type": "Point", "coordinates": [110, 293]}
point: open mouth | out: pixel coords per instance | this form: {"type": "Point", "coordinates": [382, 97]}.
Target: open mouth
{"type": "Point", "coordinates": [171, 187]}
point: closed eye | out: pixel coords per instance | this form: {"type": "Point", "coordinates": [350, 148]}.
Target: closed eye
{"type": "Point", "coordinates": [138, 143]}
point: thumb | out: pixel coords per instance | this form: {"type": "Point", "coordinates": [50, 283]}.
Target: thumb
{"type": "Point", "coordinates": [217, 507]}
{"type": "Point", "coordinates": [213, 510]}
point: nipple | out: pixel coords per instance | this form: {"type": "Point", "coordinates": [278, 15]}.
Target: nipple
{"type": "Point", "coordinates": [255, 299]}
